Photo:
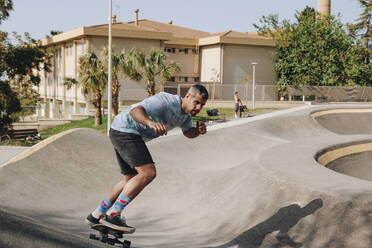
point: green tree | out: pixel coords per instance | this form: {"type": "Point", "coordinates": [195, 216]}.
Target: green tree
{"type": "Point", "coordinates": [315, 50]}
{"type": "Point", "coordinates": [5, 7]}
{"type": "Point", "coordinates": [128, 64]}
{"type": "Point", "coordinates": [23, 56]}
{"type": "Point", "coordinates": [20, 60]}
{"type": "Point", "coordinates": [152, 66]}
{"type": "Point", "coordinates": [9, 104]}
{"type": "Point", "coordinates": [52, 33]}
{"type": "Point", "coordinates": [362, 29]}
{"type": "Point", "coordinates": [93, 79]}
{"type": "Point", "coordinates": [17, 59]}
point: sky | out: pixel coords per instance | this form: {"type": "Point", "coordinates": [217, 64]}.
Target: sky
{"type": "Point", "coordinates": [39, 17]}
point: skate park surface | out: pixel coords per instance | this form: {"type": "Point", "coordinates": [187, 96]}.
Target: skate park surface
{"type": "Point", "coordinates": [292, 178]}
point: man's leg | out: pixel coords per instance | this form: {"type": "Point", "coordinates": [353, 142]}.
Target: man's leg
{"type": "Point", "coordinates": [107, 202]}
{"type": "Point", "coordinates": [146, 173]}
{"type": "Point", "coordinates": [133, 184]}
{"type": "Point", "coordinates": [118, 188]}
{"type": "Point", "coordinates": [130, 151]}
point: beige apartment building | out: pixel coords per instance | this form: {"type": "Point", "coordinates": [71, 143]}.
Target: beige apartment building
{"type": "Point", "coordinates": [221, 61]}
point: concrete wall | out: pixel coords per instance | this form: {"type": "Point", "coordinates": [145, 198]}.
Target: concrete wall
{"type": "Point", "coordinates": [70, 69]}
{"type": "Point", "coordinates": [187, 63]}
{"type": "Point", "coordinates": [237, 69]}
{"type": "Point", "coordinates": [98, 42]}
{"type": "Point", "coordinates": [237, 64]}
{"type": "Point", "coordinates": [210, 63]}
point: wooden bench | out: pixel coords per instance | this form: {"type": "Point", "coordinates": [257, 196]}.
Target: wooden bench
{"type": "Point", "coordinates": [17, 134]}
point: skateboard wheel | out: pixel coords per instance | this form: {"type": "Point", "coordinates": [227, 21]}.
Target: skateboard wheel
{"type": "Point", "coordinates": [126, 244]}
{"type": "Point", "coordinates": [93, 236]}
{"type": "Point", "coordinates": [104, 239]}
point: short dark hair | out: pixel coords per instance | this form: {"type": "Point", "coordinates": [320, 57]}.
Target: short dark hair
{"type": "Point", "coordinates": [199, 89]}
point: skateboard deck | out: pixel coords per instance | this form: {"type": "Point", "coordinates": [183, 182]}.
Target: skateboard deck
{"type": "Point", "coordinates": [109, 235]}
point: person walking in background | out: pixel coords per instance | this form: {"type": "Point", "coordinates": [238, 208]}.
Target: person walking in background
{"type": "Point", "coordinates": [238, 102]}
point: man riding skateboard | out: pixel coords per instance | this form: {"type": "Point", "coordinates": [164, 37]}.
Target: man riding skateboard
{"type": "Point", "coordinates": [144, 121]}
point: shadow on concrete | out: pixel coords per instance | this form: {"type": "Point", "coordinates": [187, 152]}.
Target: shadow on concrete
{"type": "Point", "coordinates": [21, 231]}
{"type": "Point", "coordinates": [282, 221]}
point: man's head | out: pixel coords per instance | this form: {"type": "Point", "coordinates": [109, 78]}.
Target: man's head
{"type": "Point", "coordinates": [194, 100]}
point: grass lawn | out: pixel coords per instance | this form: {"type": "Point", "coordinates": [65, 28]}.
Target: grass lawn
{"type": "Point", "coordinates": [225, 113]}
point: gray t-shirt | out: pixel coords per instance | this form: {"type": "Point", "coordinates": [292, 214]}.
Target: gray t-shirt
{"type": "Point", "coordinates": [162, 107]}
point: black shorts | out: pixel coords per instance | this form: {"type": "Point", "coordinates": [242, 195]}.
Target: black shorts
{"type": "Point", "coordinates": [131, 151]}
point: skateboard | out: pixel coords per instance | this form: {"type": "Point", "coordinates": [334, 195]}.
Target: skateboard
{"type": "Point", "coordinates": [109, 236]}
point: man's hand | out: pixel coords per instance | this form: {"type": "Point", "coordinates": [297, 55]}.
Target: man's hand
{"type": "Point", "coordinates": [194, 132]}
{"type": "Point", "coordinates": [200, 126]}
{"type": "Point", "coordinates": [139, 115]}
{"type": "Point", "coordinates": [160, 128]}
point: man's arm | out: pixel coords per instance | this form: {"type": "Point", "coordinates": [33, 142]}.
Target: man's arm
{"type": "Point", "coordinates": [195, 131]}
{"type": "Point", "coordinates": [139, 115]}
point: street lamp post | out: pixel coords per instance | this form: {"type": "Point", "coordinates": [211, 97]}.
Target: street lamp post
{"type": "Point", "coordinates": [109, 86]}
{"type": "Point", "coordinates": [253, 83]}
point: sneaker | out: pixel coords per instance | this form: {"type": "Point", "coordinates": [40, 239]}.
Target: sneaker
{"type": "Point", "coordinates": [117, 223]}
{"type": "Point", "coordinates": [91, 220]}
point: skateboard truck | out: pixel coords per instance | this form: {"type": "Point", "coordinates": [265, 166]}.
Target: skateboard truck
{"type": "Point", "coordinates": [104, 236]}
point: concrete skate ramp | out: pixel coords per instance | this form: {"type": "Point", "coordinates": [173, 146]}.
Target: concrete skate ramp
{"type": "Point", "coordinates": [353, 159]}
{"type": "Point", "coordinates": [345, 121]}
{"type": "Point", "coordinates": [252, 182]}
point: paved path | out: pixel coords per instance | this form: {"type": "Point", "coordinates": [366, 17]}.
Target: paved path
{"type": "Point", "coordinates": [8, 152]}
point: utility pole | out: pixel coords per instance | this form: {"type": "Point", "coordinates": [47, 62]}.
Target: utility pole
{"type": "Point", "coordinates": [253, 83]}
{"type": "Point", "coordinates": [109, 86]}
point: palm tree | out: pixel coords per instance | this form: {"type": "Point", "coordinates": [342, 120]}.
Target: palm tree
{"type": "Point", "coordinates": [115, 72]}
{"type": "Point", "coordinates": [128, 64]}
{"type": "Point", "coordinates": [93, 79]}
{"type": "Point", "coordinates": [364, 25]}
{"type": "Point", "coordinates": [152, 66]}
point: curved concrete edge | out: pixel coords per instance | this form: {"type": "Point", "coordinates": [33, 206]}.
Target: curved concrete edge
{"type": "Point", "coordinates": [345, 120]}
{"type": "Point", "coordinates": [38, 146]}
{"type": "Point", "coordinates": [316, 114]}
{"type": "Point", "coordinates": [242, 121]}
{"type": "Point", "coordinates": [330, 154]}
{"type": "Point", "coordinates": [311, 175]}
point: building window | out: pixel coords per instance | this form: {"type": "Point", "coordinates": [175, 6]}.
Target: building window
{"type": "Point", "coordinates": [170, 50]}
{"type": "Point", "coordinates": [185, 78]}
{"type": "Point", "coordinates": [193, 51]}
{"type": "Point", "coordinates": [184, 50]}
